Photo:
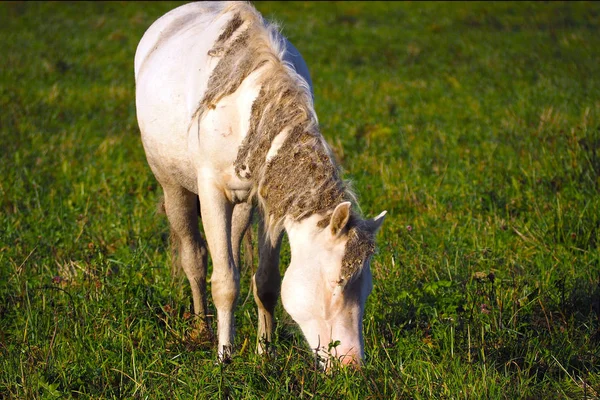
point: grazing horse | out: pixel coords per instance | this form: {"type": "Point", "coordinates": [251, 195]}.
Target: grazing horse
{"type": "Point", "coordinates": [225, 109]}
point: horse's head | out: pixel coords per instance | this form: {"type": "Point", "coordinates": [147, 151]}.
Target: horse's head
{"type": "Point", "coordinates": [329, 278]}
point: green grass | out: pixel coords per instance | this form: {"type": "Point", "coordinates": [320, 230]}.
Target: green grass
{"type": "Point", "coordinates": [476, 125]}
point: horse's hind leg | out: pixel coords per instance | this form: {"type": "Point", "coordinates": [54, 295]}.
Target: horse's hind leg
{"type": "Point", "coordinates": [267, 284]}
{"type": "Point", "coordinates": [240, 220]}
{"type": "Point", "coordinates": [182, 211]}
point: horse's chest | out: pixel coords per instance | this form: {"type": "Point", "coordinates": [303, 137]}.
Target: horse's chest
{"type": "Point", "coordinates": [220, 135]}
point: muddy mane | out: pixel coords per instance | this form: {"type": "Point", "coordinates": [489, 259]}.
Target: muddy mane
{"type": "Point", "coordinates": [292, 168]}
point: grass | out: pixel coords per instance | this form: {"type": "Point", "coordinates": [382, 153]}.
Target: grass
{"type": "Point", "coordinates": [476, 125]}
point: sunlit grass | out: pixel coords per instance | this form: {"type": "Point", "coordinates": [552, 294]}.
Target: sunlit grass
{"type": "Point", "coordinates": [476, 125]}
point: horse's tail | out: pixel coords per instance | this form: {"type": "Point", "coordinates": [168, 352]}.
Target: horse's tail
{"type": "Point", "coordinates": [174, 242]}
{"type": "Point", "coordinates": [248, 251]}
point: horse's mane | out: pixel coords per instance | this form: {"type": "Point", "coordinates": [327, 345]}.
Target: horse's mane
{"type": "Point", "coordinates": [301, 177]}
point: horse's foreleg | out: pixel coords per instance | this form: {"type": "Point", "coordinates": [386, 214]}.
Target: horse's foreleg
{"type": "Point", "coordinates": [225, 280]}
{"type": "Point", "coordinates": [267, 283]}
{"type": "Point", "coordinates": [182, 212]}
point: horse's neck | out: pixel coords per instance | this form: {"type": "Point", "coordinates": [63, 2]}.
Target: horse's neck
{"type": "Point", "coordinates": [300, 181]}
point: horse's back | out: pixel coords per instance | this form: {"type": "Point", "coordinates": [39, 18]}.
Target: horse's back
{"type": "Point", "coordinates": [172, 56]}
{"type": "Point", "coordinates": [167, 25]}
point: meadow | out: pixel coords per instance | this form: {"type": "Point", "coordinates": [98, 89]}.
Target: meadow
{"type": "Point", "coordinates": [476, 125]}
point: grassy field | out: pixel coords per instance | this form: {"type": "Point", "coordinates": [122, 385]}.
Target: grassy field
{"type": "Point", "coordinates": [476, 125]}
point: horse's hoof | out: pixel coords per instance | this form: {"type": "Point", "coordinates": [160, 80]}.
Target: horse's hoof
{"type": "Point", "coordinates": [200, 336]}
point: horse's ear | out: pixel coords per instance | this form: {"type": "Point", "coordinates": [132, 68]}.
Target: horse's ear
{"type": "Point", "coordinates": [340, 218]}
{"type": "Point", "coordinates": [374, 224]}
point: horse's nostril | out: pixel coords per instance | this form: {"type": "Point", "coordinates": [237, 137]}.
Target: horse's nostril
{"type": "Point", "coordinates": [351, 360]}
{"type": "Point", "coordinates": [347, 361]}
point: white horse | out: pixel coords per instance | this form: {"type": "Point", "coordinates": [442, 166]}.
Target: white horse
{"type": "Point", "coordinates": [224, 106]}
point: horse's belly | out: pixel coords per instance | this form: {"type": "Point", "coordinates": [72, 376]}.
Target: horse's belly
{"type": "Point", "coordinates": [170, 165]}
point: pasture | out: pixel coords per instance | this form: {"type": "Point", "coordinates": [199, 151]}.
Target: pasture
{"type": "Point", "coordinates": [475, 125]}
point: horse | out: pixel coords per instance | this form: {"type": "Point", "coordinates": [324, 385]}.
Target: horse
{"type": "Point", "coordinates": [224, 104]}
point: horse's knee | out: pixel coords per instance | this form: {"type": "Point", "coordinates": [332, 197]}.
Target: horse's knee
{"type": "Point", "coordinates": [225, 289]}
